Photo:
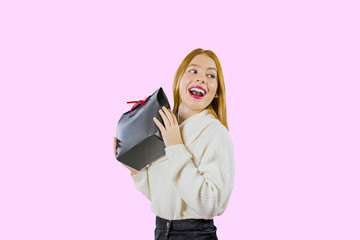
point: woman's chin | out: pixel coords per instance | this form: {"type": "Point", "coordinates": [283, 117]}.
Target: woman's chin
{"type": "Point", "coordinates": [196, 106]}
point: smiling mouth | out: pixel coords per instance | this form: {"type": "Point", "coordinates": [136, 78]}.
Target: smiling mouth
{"type": "Point", "coordinates": [197, 95]}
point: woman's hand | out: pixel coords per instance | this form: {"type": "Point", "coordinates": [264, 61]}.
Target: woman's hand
{"type": "Point", "coordinates": [171, 132]}
{"type": "Point", "coordinates": [134, 171]}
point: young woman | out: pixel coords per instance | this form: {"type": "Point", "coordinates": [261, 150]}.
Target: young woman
{"type": "Point", "coordinates": [193, 181]}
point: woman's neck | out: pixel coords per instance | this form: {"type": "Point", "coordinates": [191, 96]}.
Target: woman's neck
{"type": "Point", "coordinates": [185, 112]}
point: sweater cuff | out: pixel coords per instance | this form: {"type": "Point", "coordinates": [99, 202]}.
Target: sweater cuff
{"type": "Point", "coordinates": [178, 155]}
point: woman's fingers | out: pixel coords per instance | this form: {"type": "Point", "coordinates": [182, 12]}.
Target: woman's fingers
{"type": "Point", "coordinates": [115, 145]}
{"type": "Point", "coordinates": [165, 118]}
{"type": "Point", "coordinates": [160, 126]}
{"type": "Point", "coordinates": [168, 115]}
{"type": "Point", "coordinates": [162, 129]}
{"type": "Point", "coordinates": [173, 117]}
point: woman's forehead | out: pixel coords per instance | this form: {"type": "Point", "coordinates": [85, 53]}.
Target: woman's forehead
{"type": "Point", "coordinates": [202, 60]}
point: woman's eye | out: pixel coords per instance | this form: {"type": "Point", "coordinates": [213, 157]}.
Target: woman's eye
{"type": "Point", "coordinates": [192, 70]}
{"type": "Point", "coordinates": [213, 76]}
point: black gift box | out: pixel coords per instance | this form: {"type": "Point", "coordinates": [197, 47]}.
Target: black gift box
{"type": "Point", "coordinates": [139, 140]}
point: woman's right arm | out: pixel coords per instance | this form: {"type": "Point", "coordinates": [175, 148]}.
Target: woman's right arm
{"type": "Point", "coordinates": [140, 178]}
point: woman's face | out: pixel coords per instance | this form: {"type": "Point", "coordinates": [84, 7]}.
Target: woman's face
{"type": "Point", "coordinates": [199, 83]}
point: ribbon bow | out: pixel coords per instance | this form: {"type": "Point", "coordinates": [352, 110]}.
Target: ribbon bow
{"type": "Point", "coordinates": [136, 103]}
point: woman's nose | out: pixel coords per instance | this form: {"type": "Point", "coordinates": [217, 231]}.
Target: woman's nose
{"type": "Point", "coordinates": [202, 80]}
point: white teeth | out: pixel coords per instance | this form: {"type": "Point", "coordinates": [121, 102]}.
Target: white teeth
{"type": "Point", "coordinates": [198, 90]}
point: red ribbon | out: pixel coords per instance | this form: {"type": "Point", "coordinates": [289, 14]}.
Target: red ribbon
{"type": "Point", "coordinates": [136, 103]}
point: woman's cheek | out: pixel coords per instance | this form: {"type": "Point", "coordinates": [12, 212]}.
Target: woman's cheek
{"type": "Point", "coordinates": [183, 83]}
{"type": "Point", "coordinates": [213, 87]}
{"type": "Point", "coordinates": [185, 80]}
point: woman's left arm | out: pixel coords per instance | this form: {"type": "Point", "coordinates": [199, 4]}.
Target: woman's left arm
{"type": "Point", "coordinates": [207, 187]}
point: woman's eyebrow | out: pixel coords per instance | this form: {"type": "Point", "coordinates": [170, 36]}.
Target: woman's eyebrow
{"type": "Point", "coordinates": [199, 66]}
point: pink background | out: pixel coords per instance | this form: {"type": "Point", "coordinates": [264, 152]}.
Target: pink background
{"type": "Point", "coordinates": [291, 69]}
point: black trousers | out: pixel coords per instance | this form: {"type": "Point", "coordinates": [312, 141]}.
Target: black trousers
{"type": "Point", "coordinates": [199, 229]}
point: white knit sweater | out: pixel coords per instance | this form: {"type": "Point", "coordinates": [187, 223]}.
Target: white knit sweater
{"type": "Point", "coordinates": [194, 179]}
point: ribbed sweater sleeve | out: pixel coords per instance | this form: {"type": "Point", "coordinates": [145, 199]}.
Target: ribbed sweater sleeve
{"type": "Point", "coordinates": [141, 180]}
{"type": "Point", "coordinates": [206, 187]}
